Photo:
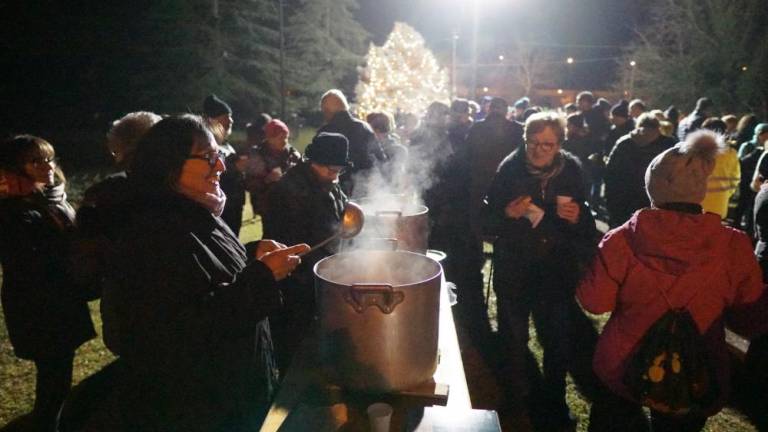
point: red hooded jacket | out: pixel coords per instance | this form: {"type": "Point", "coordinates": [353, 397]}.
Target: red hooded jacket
{"type": "Point", "coordinates": [714, 273]}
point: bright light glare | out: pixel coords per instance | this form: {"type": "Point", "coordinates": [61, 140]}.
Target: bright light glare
{"type": "Point", "coordinates": [559, 91]}
{"type": "Point", "coordinates": [569, 60]}
{"type": "Point", "coordinates": [485, 89]}
{"type": "Point", "coordinates": [632, 63]}
{"type": "Point", "coordinates": [501, 58]}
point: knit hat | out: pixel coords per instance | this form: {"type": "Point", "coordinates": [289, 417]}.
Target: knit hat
{"type": "Point", "coordinates": [275, 128]}
{"type": "Point", "coordinates": [460, 106]}
{"type": "Point", "coordinates": [760, 129]}
{"type": "Point", "coordinates": [704, 104]}
{"type": "Point", "coordinates": [679, 174]}
{"type": "Point", "coordinates": [672, 114]}
{"type": "Point", "coordinates": [523, 103]}
{"type": "Point", "coordinates": [621, 109]}
{"type": "Point", "coordinates": [329, 148]}
{"type": "Point", "coordinates": [214, 107]}
{"type": "Point", "coordinates": [498, 105]}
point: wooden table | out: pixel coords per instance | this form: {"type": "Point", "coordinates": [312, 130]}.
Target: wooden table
{"type": "Point", "coordinates": [304, 401]}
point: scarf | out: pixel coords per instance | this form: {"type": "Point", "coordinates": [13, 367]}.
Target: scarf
{"type": "Point", "coordinates": [544, 174]}
{"type": "Point", "coordinates": [53, 199]}
{"type": "Point", "coordinates": [213, 202]}
{"type": "Point", "coordinates": [53, 195]}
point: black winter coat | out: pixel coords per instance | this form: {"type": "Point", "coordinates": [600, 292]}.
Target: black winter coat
{"type": "Point", "coordinates": [186, 309]}
{"type": "Point", "coordinates": [554, 240]}
{"type": "Point", "coordinates": [364, 150]}
{"type": "Point", "coordinates": [615, 134]}
{"type": "Point", "coordinates": [761, 229]}
{"type": "Point", "coordinates": [99, 221]}
{"type": "Point", "coordinates": [625, 176]}
{"type": "Point", "coordinates": [489, 141]}
{"type": "Point", "coordinates": [691, 123]}
{"type": "Point", "coordinates": [302, 210]}
{"type": "Point", "coordinates": [46, 312]}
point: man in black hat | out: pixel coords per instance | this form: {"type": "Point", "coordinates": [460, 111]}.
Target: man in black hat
{"type": "Point", "coordinates": [621, 124]}
{"type": "Point", "coordinates": [219, 116]}
{"type": "Point", "coordinates": [306, 203]}
{"type": "Point", "coordinates": [521, 105]}
{"type": "Point", "coordinates": [694, 120]}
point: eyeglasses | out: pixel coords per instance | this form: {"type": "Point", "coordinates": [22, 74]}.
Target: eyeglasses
{"type": "Point", "coordinates": [334, 169]}
{"type": "Point", "coordinates": [543, 145]}
{"type": "Point", "coordinates": [211, 157]}
{"type": "Point", "coordinates": [40, 162]}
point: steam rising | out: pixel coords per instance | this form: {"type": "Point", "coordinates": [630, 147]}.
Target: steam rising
{"type": "Point", "coordinates": [399, 188]}
{"type": "Point", "coordinates": [378, 267]}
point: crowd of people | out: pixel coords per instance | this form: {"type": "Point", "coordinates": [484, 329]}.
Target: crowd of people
{"type": "Point", "coordinates": [204, 326]}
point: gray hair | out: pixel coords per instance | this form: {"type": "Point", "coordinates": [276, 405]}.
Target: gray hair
{"type": "Point", "coordinates": [336, 93]}
{"type": "Point", "coordinates": [126, 131]}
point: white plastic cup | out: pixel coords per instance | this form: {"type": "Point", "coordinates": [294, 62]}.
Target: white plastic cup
{"type": "Point", "coordinates": [379, 416]}
{"type": "Point", "coordinates": [562, 199]}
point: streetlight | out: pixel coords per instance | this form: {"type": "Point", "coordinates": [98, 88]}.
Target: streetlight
{"type": "Point", "coordinates": [569, 61]}
{"type": "Point", "coordinates": [632, 65]}
{"type": "Point", "coordinates": [501, 57]}
{"type": "Point", "coordinates": [281, 8]}
{"type": "Point", "coordinates": [454, 39]}
{"type": "Point", "coordinates": [475, 20]}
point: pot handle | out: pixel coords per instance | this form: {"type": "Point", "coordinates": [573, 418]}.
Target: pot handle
{"type": "Point", "coordinates": [362, 296]}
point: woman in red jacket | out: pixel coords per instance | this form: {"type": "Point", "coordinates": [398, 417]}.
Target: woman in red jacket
{"type": "Point", "coordinates": [670, 250]}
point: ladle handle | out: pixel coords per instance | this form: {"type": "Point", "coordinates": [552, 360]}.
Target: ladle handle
{"type": "Point", "coordinates": [321, 244]}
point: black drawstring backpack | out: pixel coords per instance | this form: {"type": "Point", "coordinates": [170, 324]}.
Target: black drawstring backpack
{"type": "Point", "coordinates": [671, 371]}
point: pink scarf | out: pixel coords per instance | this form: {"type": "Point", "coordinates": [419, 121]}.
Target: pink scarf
{"type": "Point", "coordinates": [213, 202]}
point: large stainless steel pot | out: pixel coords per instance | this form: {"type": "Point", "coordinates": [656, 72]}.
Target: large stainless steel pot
{"type": "Point", "coordinates": [396, 217]}
{"type": "Point", "coordinates": [379, 316]}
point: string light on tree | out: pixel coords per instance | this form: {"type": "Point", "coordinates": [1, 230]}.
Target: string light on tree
{"type": "Point", "coordinates": [401, 75]}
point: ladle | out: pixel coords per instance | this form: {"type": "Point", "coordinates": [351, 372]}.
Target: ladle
{"type": "Point", "coordinates": [351, 223]}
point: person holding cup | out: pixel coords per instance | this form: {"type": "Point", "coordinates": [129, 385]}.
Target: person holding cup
{"type": "Point", "coordinates": [544, 232]}
{"type": "Point", "coordinates": [185, 304]}
{"type": "Point", "coordinates": [268, 163]}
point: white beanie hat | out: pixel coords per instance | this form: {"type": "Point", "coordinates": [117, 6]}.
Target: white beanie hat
{"type": "Point", "coordinates": [680, 174]}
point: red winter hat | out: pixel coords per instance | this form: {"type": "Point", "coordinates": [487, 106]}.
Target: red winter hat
{"type": "Point", "coordinates": [275, 128]}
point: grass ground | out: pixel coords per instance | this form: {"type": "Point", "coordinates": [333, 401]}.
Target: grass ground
{"type": "Point", "coordinates": [17, 378]}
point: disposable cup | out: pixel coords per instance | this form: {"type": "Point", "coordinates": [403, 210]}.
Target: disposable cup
{"type": "Point", "coordinates": [379, 416]}
{"type": "Point", "coordinates": [562, 199]}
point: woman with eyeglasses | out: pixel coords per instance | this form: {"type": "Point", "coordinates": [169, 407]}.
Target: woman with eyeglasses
{"type": "Point", "coordinates": [46, 313]}
{"type": "Point", "coordinates": [536, 208]}
{"type": "Point", "coordinates": [185, 305]}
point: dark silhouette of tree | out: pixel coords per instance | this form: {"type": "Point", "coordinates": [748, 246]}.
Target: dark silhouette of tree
{"type": "Point", "coordinates": [325, 44]}
{"type": "Point", "coordinates": [692, 48]}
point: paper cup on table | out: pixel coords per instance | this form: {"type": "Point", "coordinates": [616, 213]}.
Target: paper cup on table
{"type": "Point", "coordinates": [379, 415]}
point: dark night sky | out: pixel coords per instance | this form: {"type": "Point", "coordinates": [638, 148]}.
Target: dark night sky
{"type": "Point", "coordinates": [554, 22]}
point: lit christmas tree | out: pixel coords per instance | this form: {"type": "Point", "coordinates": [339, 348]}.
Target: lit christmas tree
{"type": "Point", "coordinates": [402, 75]}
